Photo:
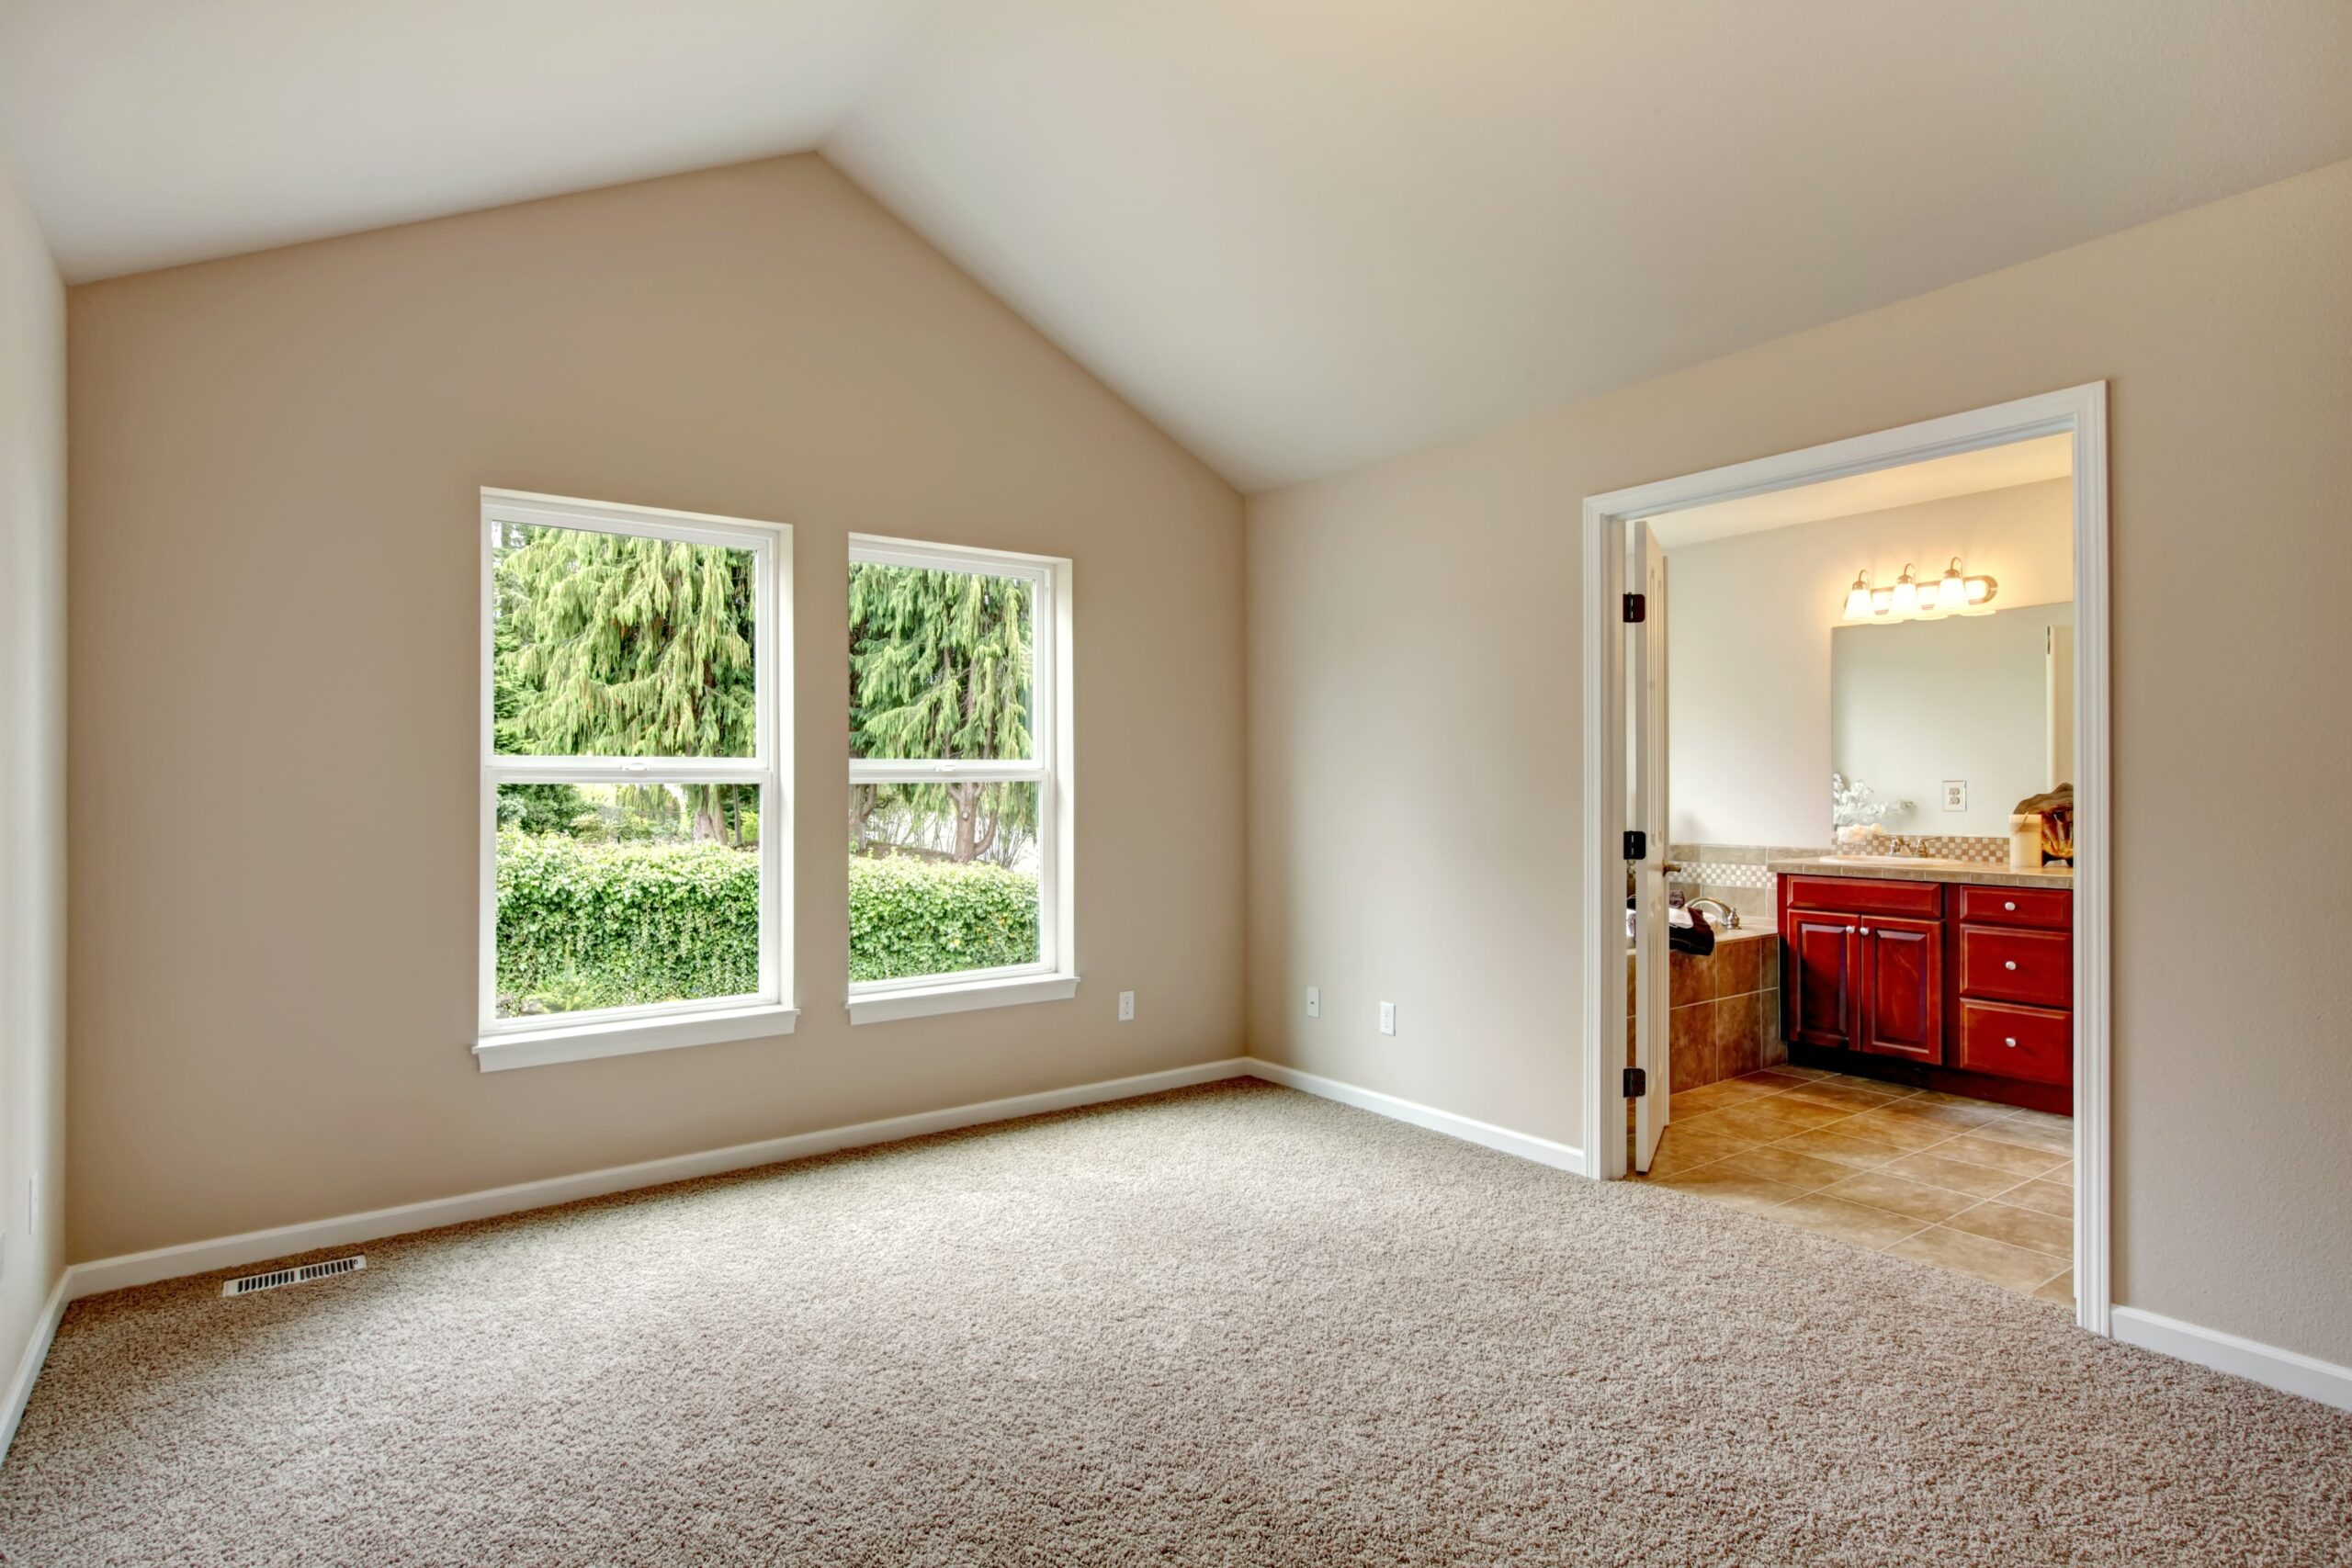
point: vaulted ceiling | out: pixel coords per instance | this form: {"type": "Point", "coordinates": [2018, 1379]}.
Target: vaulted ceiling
{"type": "Point", "coordinates": [1301, 234]}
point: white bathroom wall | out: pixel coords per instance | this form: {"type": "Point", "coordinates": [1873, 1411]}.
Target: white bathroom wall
{"type": "Point", "coordinates": [1964, 699]}
{"type": "Point", "coordinates": [1747, 641]}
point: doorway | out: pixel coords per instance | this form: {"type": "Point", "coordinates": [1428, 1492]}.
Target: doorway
{"type": "Point", "coordinates": [1924, 1051]}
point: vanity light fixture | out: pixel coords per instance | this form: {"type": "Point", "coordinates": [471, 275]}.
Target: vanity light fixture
{"type": "Point", "coordinates": [1955, 593]}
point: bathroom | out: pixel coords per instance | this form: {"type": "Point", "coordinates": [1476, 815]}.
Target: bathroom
{"type": "Point", "coordinates": [1869, 695]}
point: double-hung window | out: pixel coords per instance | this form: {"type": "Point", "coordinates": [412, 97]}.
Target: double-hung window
{"type": "Point", "coordinates": [960, 807]}
{"type": "Point", "coordinates": [636, 835]}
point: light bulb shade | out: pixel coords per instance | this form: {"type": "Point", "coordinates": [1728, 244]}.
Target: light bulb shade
{"type": "Point", "coordinates": [1951, 593]}
{"type": "Point", "coordinates": [1905, 600]}
{"type": "Point", "coordinates": [1858, 599]}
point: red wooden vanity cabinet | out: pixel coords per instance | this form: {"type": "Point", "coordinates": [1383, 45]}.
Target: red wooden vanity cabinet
{"type": "Point", "coordinates": [1965, 989]}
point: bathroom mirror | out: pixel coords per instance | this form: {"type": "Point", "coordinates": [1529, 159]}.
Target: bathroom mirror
{"type": "Point", "coordinates": [1955, 720]}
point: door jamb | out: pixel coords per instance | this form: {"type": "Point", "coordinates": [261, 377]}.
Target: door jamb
{"type": "Point", "coordinates": [2079, 412]}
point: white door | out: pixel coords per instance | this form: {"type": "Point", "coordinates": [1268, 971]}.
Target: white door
{"type": "Point", "coordinates": [1652, 996]}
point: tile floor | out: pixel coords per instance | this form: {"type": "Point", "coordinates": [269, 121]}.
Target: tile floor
{"type": "Point", "coordinates": [1967, 1185]}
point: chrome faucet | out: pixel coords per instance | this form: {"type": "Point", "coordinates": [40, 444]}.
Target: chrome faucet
{"type": "Point", "coordinates": [1730, 921]}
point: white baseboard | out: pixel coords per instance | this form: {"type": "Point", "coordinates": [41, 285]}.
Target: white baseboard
{"type": "Point", "coordinates": [255, 1247]}
{"type": "Point", "coordinates": [1526, 1146]}
{"type": "Point", "coordinates": [29, 1365]}
{"type": "Point", "coordinates": [2288, 1370]}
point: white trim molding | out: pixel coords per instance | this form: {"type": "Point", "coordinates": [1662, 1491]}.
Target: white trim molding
{"type": "Point", "coordinates": [29, 1365]}
{"type": "Point", "coordinates": [1526, 1146]}
{"type": "Point", "coordinates": [105, 1274]}
{"type": "Point", "coordinates": [344, 1230]}
{"type": "Point", "coordinates": [625, 1036]}
{"type": "Point", "coordinates": [2077, 412]}
{"type": "Point", "coordinates": [2288, 1371]}
{"type": "Point", "coordinates": [922, 1001]}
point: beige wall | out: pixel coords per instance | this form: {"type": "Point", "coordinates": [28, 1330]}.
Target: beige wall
{"type": "Point", "coordinates": [32, 769]}
{"type": "Point", "coordinates": [275, 693]}
{"type": "Point", "coordinates": [1749, 640]}
{"type": "Point", "coordinates": [1414, 722]}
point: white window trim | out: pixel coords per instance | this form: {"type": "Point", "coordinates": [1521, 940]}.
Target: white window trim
{"type": "Point", "coordinates": [501, 1044]}
{"type": "Point", "coordinates": [1054, 978]}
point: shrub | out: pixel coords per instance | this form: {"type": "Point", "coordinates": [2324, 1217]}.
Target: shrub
{"type": "Point", "coordinates": [908, 916]}
{"type": "Point", "coordinates": [588, 925]}
{"type": "Point", "coordinates": [594, 925]}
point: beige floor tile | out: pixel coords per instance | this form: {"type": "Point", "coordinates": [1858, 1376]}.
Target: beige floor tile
{"type": "Point", "coordinates": [1715, 1184]}
{"type": "Point", "coordinates": [1708, 1132]}
{"type": "Point", "coordinates": [1897, 1195]}
{"type": "Point", "coordinates": [1953, 1116]}
{"type": "Point", "coordinates": [1717, 1096]}
{"type": "Point", "coordinates": [2058, 1140]}
{"type": "Point", "coordinates": [1682, 1158]}
{"type": "Point", "coordinates": [1977, 1149]}
{"type": "Point", "coordinates": [2061, 1290]}
{"type": "Point", "coordinates": [1777, 1080]}
{"type": "Point", "coordinates": [1887, 1125]}
{"type": "Point", "coordinates": [1849, 1093]}
{"type": "Point", "coordinates": [1779, 1117]}
{"type": "Point", "coordinates": [1793, 1070]}
{"type": "Point", "coordinates": [1959, 1176]}
{"type": "Point", "coordinates": [1857, 1222]}
{"type": "Point", "coordinates": [1831, 1143]}
{"type": "Point", "coordinates": [2041, 1119]}
{"type": "Point", "coordinates": [2043, 1196]}
{"type": "Point", "coordinates": [1779, 1162]}
{"type": "Point", "coordinates": [1995, 1262]}
{"type": "Point", "coordinates": [2020, 1227]}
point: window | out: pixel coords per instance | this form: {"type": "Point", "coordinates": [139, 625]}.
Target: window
{"type": "Point", "coordinates": [959, 807]}
{"type": "Point", "coordinates": [636, 839]}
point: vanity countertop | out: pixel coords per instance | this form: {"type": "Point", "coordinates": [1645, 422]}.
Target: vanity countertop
{"type": "Point", "coordinates": [1990, 874]}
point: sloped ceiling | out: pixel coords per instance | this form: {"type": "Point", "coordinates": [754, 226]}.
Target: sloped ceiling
{"type": "Point", "coordinates": [1301, 234]}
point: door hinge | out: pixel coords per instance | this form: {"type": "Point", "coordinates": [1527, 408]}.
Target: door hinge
{"type": "Point", "coordinates": [1637, 1083]}
{"type": "Point", "coordinates": [1637, 845]}
{"type": "Point", "coordinates": [1637, 607]}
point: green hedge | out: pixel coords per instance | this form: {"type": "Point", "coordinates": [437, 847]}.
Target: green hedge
{"type": "Point", "coordinates": [590, 925]}
{"type": "Point", "coordinates": [925, 917]}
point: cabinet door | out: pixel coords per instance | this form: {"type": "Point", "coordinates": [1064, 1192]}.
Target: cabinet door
{"type": "Point", "coordinates": [1902, 987]}
{"type": "Point", "coordinates": [1820, 978]}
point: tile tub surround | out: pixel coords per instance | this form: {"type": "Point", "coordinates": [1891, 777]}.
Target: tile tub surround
{"type": "Point", "coordinates": [1895, 871]}
{"type": "Point", "coordinates": [1724, 1017]}
{"type": "Point", "coordinates": [1979, 1189]}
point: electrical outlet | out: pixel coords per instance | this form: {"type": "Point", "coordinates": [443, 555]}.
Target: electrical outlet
{"type": "Point", "coordinates": [1388, 1018]}
{"type": "Point", "coordinates": [1314, 1001]}
{"type": "Point", "coordinates": [1126, 1007]}
{"type": "Point", "coordinates": [1955, 794]}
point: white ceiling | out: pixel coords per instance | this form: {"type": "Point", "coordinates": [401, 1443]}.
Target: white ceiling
{"type": "Point", "coordinates": [1301, 234]}
{"type": "Point", "coordinates": [1937, 479]}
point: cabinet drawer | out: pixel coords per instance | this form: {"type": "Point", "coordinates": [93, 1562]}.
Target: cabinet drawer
{"type": "Point", "coordinates": [2039, 908]}
{"type": "Point", "coordinates": [1867, 896]}
{"type": "Point", "coordinates": [2016, 1042]}
{"type": "Point", "coordinates": [2033, 967]}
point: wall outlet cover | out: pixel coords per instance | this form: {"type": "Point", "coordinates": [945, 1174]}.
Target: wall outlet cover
{"type": "Point", "coordinates": [1955, 794]}
{"type": "Point", "coordinates": [1388, 1018]}
{"type": "Point", "coordinates": [1314, 1001]}
{"type": "Point", "coordinates": [1126, 1007]}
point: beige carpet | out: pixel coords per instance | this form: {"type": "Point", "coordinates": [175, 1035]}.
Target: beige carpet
{"type": "Point", "coordinates": [1233, 1325]}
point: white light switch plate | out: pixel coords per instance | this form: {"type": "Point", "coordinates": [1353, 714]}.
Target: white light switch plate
{"type": "Point", "coordinates": [1314, 1001]}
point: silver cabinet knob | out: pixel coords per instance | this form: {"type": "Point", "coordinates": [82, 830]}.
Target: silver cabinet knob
{"type": "Point", "coordinates": [2009, 903]}
{"type": "Point", "coordinates": [1866, 930]}
{"type": "Point", "coordinates": [2011, 1042]}
{"type": "Point", "coordinates": [2010, 964]}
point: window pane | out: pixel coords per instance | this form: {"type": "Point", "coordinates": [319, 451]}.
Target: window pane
{"type": "Point", "coordinates": [942, 878]}
{"type": "Point", "coordinates": [940, 664]}
{"type": "Point", "coordinates": [624, 894]}
{"type": "Point", "coordinates": [610, 645]}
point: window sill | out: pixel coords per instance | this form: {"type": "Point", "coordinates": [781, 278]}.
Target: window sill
{"type": "Point", "coordinates": [881, 1006]}
{"type": "Point", "coordinates": [581, 1043]}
